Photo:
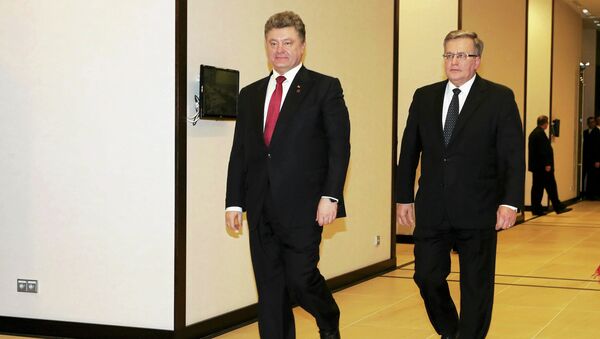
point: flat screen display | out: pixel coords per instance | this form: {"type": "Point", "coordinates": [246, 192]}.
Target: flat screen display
{"type": "Point", "coordinates": [219, 89]}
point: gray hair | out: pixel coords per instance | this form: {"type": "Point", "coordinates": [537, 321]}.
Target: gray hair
{"type": "Point", "coordinates": [459, 34]}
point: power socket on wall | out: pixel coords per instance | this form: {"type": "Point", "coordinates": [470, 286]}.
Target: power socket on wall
{"type": "Point", "coordinates": [27, 285]}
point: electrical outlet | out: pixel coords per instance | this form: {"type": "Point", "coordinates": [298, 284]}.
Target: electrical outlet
{"type": "Point", "coordinates": [21, 285]}
{"type": "Point", "coordinates": [377, 240]}
{"type": "Point", "coordinates": [27, 285]}
{"type": "Point", "coordinates": [32, 286]}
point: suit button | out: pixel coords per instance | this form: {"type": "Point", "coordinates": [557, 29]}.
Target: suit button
{"type": "Point", "coordinates": [445, 159]}
{"type": "Point", "coordinates": [269, 155]}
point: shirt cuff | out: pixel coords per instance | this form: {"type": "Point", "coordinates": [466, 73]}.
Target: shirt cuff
{"type": "Point", "coordinates": [511, 207]}
{"type": "Point", "coordinates": [332, 199]}
{"type": "Point", "coordinates": [233, 209]}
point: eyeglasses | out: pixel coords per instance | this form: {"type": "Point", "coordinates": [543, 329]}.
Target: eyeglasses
{"type": "Point", "coordinates": [461, 56]}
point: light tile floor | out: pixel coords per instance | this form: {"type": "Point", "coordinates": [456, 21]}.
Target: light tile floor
{"type": "Point", "coordinates": [544, 287]}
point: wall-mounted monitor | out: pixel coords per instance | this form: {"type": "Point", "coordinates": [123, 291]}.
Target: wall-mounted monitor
{"type": "Point", "coordinates": [219, 89]}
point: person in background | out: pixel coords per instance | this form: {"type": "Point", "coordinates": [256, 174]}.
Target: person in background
{"type": "Point", "coordinates": [591, 159]}
{"type": "Point", "coordinates": [541, 165]}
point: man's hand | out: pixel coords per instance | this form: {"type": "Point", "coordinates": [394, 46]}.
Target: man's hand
{"type": "Point", "coordinates": [505, 218]}
{"type": "Point", "coordinates": [233, 219]}
{"type": "Point", "coordinates": [548, 168]}
{"type": "Point", "coordinates": [405, 214]}
{"type": "Point", "coordinates": [326, 212]}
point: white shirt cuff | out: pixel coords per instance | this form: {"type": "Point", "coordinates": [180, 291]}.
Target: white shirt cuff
{"type": "Point", "coordinates": [233, 209]}
{"type": "Point", "coordinates": [511, 207]}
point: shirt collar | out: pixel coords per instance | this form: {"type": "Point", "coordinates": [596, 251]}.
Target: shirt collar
{"type": "Point", "coordinates": [465, 88]}
{"type": "Point", "coordinates": [289, 75]}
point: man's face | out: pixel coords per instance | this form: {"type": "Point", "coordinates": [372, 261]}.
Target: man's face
{"type": "Point", "coordinates": [591, 123]}
{"type": "Point", "coordinates": [460, 71]}
{"type": "Point", "coordinates": [284, 48]}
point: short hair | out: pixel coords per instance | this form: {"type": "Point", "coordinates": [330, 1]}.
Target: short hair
{"type": "Point", "coordinates": [286, 19]}
{"type": "Point", "coordinates": [542, 120]}
{"type": "Point", "coordinates": [460, 34]}
{"type": "Point", "coordinates": [590, 119]}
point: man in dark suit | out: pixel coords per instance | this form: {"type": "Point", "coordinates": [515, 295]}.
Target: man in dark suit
{"type": "Point", "coordinates": [287, 169]}
{"type": "Point", "coordinates": [467, 133]}
{"type": "Point", "coordinates": [591, 160]}
{"type": "Point", "coordinates": [541, 165]}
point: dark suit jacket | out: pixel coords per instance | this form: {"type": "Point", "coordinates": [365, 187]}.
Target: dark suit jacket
{"type": "Point", "coordinates": [591, 147]}
{"type": "Point", "coordinates": [540, 151]}
{"type": "Point", "coordinates": [481, 168]}
{"type": "Point", "coordinates": [308, 155]}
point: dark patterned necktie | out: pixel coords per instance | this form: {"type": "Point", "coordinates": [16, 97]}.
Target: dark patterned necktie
{"type": "Point", "coordinates": [451, 117]}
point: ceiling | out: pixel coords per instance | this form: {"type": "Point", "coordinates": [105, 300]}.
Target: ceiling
{"type": "Point", "coordinates": [592, 5]}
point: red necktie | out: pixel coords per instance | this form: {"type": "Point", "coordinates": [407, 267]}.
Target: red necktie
{"type": "Point", "coordinates": [273, 110]}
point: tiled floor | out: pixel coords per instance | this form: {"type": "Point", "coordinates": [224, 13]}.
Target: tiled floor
{"type": "Point", "coordinates": [544, 287]}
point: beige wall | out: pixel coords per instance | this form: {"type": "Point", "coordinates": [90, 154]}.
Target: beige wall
{"type": "Point", "coordinates": [588, 54]}
{"type": "Point", "coordinates": [539, 65]}
{"type": "Point", "coordinates": [87, 143]}
{"type": "Point", "coordinates": [351, 40]}
{"type": "Point", "coordinates": [501, 26]}
{"type": "Point", "coordinates": [420, 55]}
{"type": "Point", "coordinates": [566, 58]}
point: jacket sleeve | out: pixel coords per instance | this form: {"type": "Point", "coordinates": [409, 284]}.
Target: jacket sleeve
{"type": "Point", "coordinates": [410, 153]}
{"type": "Point", "coordinates": [510, 153]}
{"type": "Point", "coordinates": [236, 172]}
{"type": "Point", "coordinates": [337, 127]}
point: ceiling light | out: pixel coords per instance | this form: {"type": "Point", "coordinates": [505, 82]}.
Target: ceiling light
{"type": "Point", "coordinates": [585, 11]}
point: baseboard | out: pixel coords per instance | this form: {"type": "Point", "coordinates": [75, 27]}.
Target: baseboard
{"type": "Point", "coordinates": [45, 328]}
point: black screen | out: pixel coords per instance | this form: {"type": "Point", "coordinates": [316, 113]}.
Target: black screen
{"type": "Point", "coordinates": [218, 92]}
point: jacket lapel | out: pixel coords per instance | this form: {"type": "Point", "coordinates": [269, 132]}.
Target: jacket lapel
{"type": "Point", "coordinates": [474, 99]}
{"type": "Point", "coordinates": [438, 107]}
{"type": "Point", "coordinates": [259, 109]}
{"type": "Point", "coordinates": [289, 110]}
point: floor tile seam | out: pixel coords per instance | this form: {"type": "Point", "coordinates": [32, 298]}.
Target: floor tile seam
{"type": "Point", "coordinates": [515, 285]}
{"type": "Point", "coordinates": [519, 276]}
{"type": "Point", "coordinates": [555, 316]}
{"type": "Point", "coordinates": [379, 310]}
{"type": "Point", "coordinates": [556, 256]}
{"type": "Point", "coordinates": [562, 225]}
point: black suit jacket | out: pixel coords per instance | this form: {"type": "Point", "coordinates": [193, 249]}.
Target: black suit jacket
{"type": "Point", "coordinates": [591, 147]}
{"type": "Point", "coordinates": [481, 168]}
{"type": "Point", "coordinates": [540, 151]}
{"type": "Point", "coordinates": [308, 155]}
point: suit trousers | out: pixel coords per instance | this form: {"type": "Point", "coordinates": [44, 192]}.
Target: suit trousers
{"type": "Point", "coordinates": [477, 257]}
{"type": "Point", "coordinates": [544, 180]}
{"type": "Point", "coordinates": [285, 261]}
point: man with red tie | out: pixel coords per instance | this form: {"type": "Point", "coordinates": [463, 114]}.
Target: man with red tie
{"type": "Point", "coordinates": [287, 170]}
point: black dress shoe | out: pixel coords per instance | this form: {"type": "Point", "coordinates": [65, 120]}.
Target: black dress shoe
{"type": "Point", "coordinates": [448, 337]}
{"type": "Point", "coordinates": [539, 213]}
{"type": "Point", "coordinates": [564, 210]}
{"type": "Point", "coordinates": [330, 334]}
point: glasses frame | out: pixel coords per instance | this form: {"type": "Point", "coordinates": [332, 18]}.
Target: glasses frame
{"type": "Point", "coordinates": [459, 56]}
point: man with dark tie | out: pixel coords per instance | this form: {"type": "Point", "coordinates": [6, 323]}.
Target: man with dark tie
{"type": "Point", "coordinates": [541, 166]}
{"type": "Point", "coordinates": [287, 170]}
{"type": "Point", "coordinates": [467, 133]}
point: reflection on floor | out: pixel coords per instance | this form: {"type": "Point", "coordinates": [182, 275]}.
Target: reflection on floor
{"type": "Point", "coordinates": [544, 287]}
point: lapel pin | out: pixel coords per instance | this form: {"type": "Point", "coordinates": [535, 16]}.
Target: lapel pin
{"type": "Point", "coordinates": [298, 89]}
